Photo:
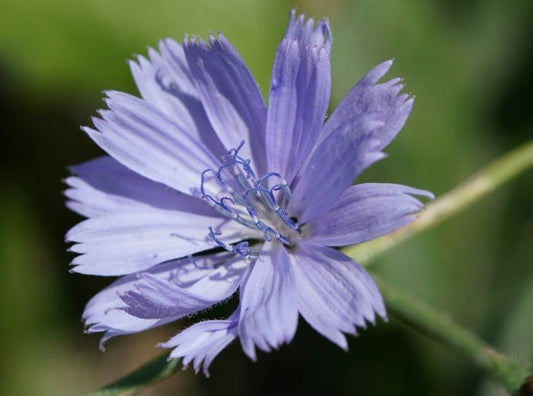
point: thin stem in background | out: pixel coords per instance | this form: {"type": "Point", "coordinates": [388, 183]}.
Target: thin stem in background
{"type": "Point", "coordinates": [511, 373]}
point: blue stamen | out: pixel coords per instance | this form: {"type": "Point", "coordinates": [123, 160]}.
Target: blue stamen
{"type": "Point", "coordinates": [283, 215]}
{"type": "Point", "coordinates": [241, 248]}
{"type": "Point", "coordinates": [266, 177]}
{"type": "Point", "coordinates": [202, 267]}
{"type": "Point", "coordinates": [270, 199]}
{"type": "Point", "coordinates": [249, 201]}
{"type": "Point", "coordinates": [284, 187]}
{"type": "Point", "coordinates": [196, 265]}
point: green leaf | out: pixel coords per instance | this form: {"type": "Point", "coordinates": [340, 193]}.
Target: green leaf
{"type": "Point", "coordinates": [154, 371]}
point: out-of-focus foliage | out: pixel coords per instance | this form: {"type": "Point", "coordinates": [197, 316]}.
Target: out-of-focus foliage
{"type": "Point", "coordinates": [469, 64]}
{"type": "Point", "coordinates": [58, 44]}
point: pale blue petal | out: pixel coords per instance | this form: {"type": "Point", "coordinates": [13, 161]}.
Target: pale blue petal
{"type": "Point", "coordinates": [363, 124]}
{"type": "Point", "coordinates": [299, 95]}
{"type": "Point", "coordinates": [104, 186]}
{"type": "Point", "coordinates": [197, 283]}
{"type": "Point", "coordinates": [368, 96]}
{"type": "Point", "coordinates": [161, 72]}
{"type": "Point", "coordinates": [341, 157]}
{"type": "Point", "coordinates": [203, 341]}
{"type": "Point", "coordinates": [334, 294]}
{"type": "Point", "coordinates": [214, 278]}
{"type": "Point", "coordinates": [364, 212]}
{"type": "Point", "coordinates": [104, 312]}
{"type": "Point", "coordinates": [125, 243]}
{"type": "Point", "coordinates": [230, 96]}
{"type": "Point", "coordinates": [150, 143]}
{"type": "Point", "coordinates": [299, 28]}
{"type": "Point", "coordinates": [165, 81]}
{"type": "Point", "coordinates": [268, 311]}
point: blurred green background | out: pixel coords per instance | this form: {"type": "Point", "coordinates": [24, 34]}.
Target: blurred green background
{"type": "Point", "coordinates": [470, 65]}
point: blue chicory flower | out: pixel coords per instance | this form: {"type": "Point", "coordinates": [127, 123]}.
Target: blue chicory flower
{"type": "Point", "coordinates": [206, 192]}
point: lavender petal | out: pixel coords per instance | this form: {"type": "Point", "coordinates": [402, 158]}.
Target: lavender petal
{"type": "Point", "coordinates": [334, 294]}
{"type": "Point", "coordinates": [105, 313]}
{"type": "Point", "coordinates": [366, 211]}
{"type": "Point", "coordinates": [268, 311]}
{"type": "Point", "coordinates": [165, 81]}
{"type": "Point", "coordinates": [214, 279]}
{"type": "Point", "coordinates": [203, 341]}
{"type": "Point", "coordinates": [104, 186]}
{"type": "Point", "coordinates": [368, 96]}
{"type": "Point", "coordinates": [124, 243]}
{"type": "Point", "coordinates": [299, 94]}
{"type": "Point", "coordinates": [150, 143]}
{"type": "Point", "coordinates": [230, 96]}
{"type": "Point", "coordinates": [340, 158]}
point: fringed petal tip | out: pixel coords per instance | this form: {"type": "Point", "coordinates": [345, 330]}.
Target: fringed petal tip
{"type": "Point", "coordinates": [427, 194]}
{"type": "Point", "coordinates": [334, 294]}
{"type": "Point", "coordinates": [374, 75]}
{"type": "Point", "coordinates": [299, 28]}
{"type": "Point", "coordinates": [202, 342]}
{"type": "Point", "coordinates": [185, 360]}
{"type": "Point", "coordinates": [92, 327]}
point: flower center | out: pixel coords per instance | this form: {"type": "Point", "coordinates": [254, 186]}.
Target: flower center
{"type": "Point", "coordinates": [234, 191]}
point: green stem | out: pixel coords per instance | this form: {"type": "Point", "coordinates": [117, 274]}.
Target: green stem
{"type": "Point", "coordinates": [468, 192]}
{"type": "Point", "coordinates": [423, 317]}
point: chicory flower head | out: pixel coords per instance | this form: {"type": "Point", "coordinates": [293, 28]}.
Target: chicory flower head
{"type": "Point", "coordinates": [206, 192]}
